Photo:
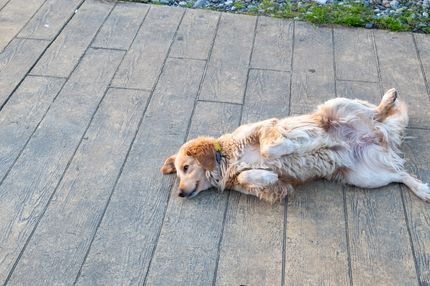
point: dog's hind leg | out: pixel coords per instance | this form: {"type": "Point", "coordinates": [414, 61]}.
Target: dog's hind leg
{"type": "Point", "coordinates": [257, 178]}
{"type": "Point", "coordinates": [384, 109]}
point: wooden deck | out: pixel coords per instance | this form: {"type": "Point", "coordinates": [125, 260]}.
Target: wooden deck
{"type": "Point", "coordinates": [94, 95]}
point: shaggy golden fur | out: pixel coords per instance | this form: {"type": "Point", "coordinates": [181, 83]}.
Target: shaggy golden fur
{"type": "Point", "coordinates": [350, 141]}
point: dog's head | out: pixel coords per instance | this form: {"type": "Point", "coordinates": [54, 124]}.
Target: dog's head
{"type": "Point", "coordinates": [191, 162]}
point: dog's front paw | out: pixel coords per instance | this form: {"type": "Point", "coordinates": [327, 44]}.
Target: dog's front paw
{"type": "Point", "coordinates": [257, 178]}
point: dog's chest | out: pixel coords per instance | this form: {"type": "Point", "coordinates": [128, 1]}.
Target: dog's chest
{"type": "Point", "coordinates": [250, 155]}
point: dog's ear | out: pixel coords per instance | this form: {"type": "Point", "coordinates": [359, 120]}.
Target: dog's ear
{"type": "Point", "coordinates": [203, 150]}
{"type": "Point", "coordinates": [169, 165]}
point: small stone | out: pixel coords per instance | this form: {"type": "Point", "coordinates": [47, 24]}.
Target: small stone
{"type": "Point", "coordinates": [164, 1]}
{"type": "Point", "coordinates": [369, 26]}
{"type": "Point", "coordinates": [182, 3]}
{"type": "Point", "coordinates": [394, 4]}
{"type": "Point", "coordinates": [425, 14]}
{"type": "Point", "coordinates": [228, 2]}
{"type": "Point", "coordinates": [426, 4]}
{"type": "Point", "coordinates": [233, 8]}
{"type": "Point", "coordinates": [199, 3]}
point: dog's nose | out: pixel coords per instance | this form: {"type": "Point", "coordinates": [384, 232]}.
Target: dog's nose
{"type": "Point", "coordinates": [181, 193]}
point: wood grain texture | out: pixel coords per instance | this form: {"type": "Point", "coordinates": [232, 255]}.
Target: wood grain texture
{"type": "Point", "coordinates": [14, 16]}
{"type": "Point", "coordinates": [32, 180]}
{"type": "Point", "coordinates": [313, 71]}
{"type": "Point", "coordinates": [316, 249]}
{"type": "Point", "coordinates": [49, 19]}
{"type": "Point", "coordinates": [400, 68]}
{"type": "Point", "coordinates": [379, 240]}
{"type": "Point", "coordinates": [124, 244]}
{"type": "Point", "coordinates": [195, 35]}
{"type": "Point", "coordinates": [225, 78]}
{"type": "Point", "coordinates": [15, 61]}
{"type": "Point", "coordinates": [359, 90]}
{"type": "Point", "coordinates": [359, 64]}
{"type": "Point", "coordinates": [273, 44]}
{"type": "Point", "coordinates": [22, 114]}
{"type": "Point", "coordinates": [121, 27]}
{"type": "Point", "coordinates": [418, 162]}
{"type": "Point", "coordinates": [267, 95]}
{"type": "Point", "coordinates": [187, 250]}
{"type": "Point", "coordinates": [144, 60]}
{"type": "Point", "coordinates": [58, 246]}
{"type": "Point", "coordinates": [63, 55]}
{"type": "Point", "coordinates": [251, 249]}
{"type": "Point", "coordinates": [423, 46]}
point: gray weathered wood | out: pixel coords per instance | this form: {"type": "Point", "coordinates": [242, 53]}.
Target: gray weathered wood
{"type": "Point", "coordinates": [273, 44]}
{"type": "Point", "coordinates": [359, 90]}
{"type": "Point", "coordinates": [418, 162]}
{"type": "Point", "coordinates": [267, 95]}
{"type": "Point", "coordinates": [58, 246]}
{"type": "Point", "coordinates": [49, 19]}
{"type": "Point", "coordinates": [400, 69]}
{"type": "Point", "coordinates": [195, 35]}
{"type": "Point", "coordinates": [378, 237]}
{"type": "Point", "coordinates": [313, 72]}
{"type": "Point", "coordinates": [15, 62]}
{"type": "Point", "coordinates": [225, 78]}
{"type": "Point", "coordinates": [3, 3]}
{"type": "Point", "coordinates": [423, 45]}
{"type": "Point", "coordinates": [32, 180]}
{"type": "Point", "coordinates": [14, 16]}
{"type": "Point", "coordinates": [22, 114]}
{"type": "Point", "coordinates": [144, 60]}
{"type": "Point", "coordinates": [251, 249]}
{"type": "Point", "coordinates": [124, 244]}
{"type": "Point", "coordinates": [63, 55]}
{"type": "Point", "coordinates": [316, 248]}
{"type": "Point", "coordinates": [121, 27]}
{"type": "Point", "coordinates": [187, 250]}
{"type": "Point", "coordinates": [359, 64]}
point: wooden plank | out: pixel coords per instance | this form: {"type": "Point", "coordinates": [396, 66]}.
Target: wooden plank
{"type": "Point", "coordinates": [400, 68]}
{"type": "Point", "coordinates": [195, 35]}
{"type": "Point", "coordinates": [357, 65]}
{"type": "Point", "coordinates": [15, 62]}
{"type": "Point", "coordinates": [316, 250]}
{"type": "Point", "coordinates": [378, 237]}
{"type": "Point", "coordinates": [14, 16]}
{"type": "Point", "coordinates": [187, 251]}
{"type": "Point", "coordinates": [121, 27]}
{"type": "Point", "coordinates": [267, 95]}
{"type": "Point", "coordinates": [251, 250]}
{"type": "Point", "coordinates": [31, 182]}
{"type": "Point", "coordinates": [418, 162]}
{"type": "Point", "coordinates": [313, 72]}
{"type": "Point", "coordinates": [63, 55]}
{"type": "Point", "coordinates": [125, 241]}
{"type": "Point", "coordinates": [144, 60]}
{"type": "Point", "coordinates": [359, 90]}
{"type": "Point", "coordinates": [57, 248]}
{"type": "Point", "coordinates": [49, 19]}
{"type": "Point", "coordinates": [273, 44]}
{"type": "Point", "coordinates": [225, 79]}
{"type": "Point", "coordinates": [423, 45]}
{"type": "Point", "coordinates": [3, 3]}
{"type": "Point", "coordinates": [22, 114]}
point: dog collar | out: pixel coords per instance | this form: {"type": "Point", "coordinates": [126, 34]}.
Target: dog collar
{"type": "Point", "coordinates": [218, 150]}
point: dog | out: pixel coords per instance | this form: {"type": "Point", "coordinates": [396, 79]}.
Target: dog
{"type": "Point", "coordinates": [349, 141]}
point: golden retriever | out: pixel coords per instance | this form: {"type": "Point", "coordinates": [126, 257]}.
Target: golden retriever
{"type": "Point", "coordinates": [350, 141]}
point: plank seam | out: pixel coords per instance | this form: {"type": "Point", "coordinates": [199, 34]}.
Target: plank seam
{"type": "Point", "coordinates": [272, 70]}
{"type": "Point", "coordinates": [7, 2]}
{"type": "Point", "coordinates": [411, 242]}
{"type": "Point", "coordinates": [284, 230]}
{"type": "Point", "coordinates": [37, 60]}
{"type": "Point", "coordinates": [348, 246]}
{"type": "Point", "coordinates": [16, 35]}
{"type": "Point", "coordinates": [185, 58]}
{"type": "Point", "coordinates": [334, 60]}
{"type": "Point", "coordinates": [214, 101]}
{"type": "Point", "coordinates": [378, 66]}
{"type": "Point", "coordinates": [357, 80]}
{"type": "Point", "coordinates": [421, 65]}
{"type": "Point", "coordinates": [58, 183]}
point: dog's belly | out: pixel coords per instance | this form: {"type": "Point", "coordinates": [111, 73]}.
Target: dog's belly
{"type": "Point", "coordinates": [251, 155]}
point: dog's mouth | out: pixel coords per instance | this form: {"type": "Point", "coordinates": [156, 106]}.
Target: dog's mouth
{"type": "Point", "coordinates": [193, 193]}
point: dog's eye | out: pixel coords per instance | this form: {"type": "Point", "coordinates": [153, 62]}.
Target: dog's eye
{"type": "Point", "coordinates": [186, 168]}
